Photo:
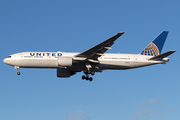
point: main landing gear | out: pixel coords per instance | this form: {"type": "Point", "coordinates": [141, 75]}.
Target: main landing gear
{"type": "Point", "coordinates": [87, 72]}
{"type": "Point", "coordinates": [87, 77]}
{"type": "Point", "coordinates": [90, 69]}
{"type": "Point", "coordinates": [17, 68]}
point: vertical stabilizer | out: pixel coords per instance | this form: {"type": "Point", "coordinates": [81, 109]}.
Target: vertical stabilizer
{"type": "Point", "coordinates": [155, 47]}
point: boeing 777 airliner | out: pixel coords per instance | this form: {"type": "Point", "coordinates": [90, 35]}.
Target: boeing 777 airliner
{"type": "Point", "coordinates": [92, 60]}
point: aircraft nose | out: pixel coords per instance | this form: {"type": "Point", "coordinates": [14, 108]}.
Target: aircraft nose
{"type": "Point", "coordinates": [5, 60]}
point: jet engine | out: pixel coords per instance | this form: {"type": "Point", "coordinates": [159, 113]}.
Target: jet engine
{"type": "Point", "coordinates": [65, 61]}
{"type": "Point", "coordinates": [64, 73]}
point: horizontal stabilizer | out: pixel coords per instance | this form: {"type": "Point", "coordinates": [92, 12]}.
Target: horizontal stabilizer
{"type": "Point", "coordinates": [161, 56]}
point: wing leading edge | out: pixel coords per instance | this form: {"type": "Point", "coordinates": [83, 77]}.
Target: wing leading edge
{"type": "Point", "coordinates": [100, 49]}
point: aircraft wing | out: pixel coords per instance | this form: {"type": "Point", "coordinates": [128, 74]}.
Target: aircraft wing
{"type": "Point", "coordinates": [100, 49]}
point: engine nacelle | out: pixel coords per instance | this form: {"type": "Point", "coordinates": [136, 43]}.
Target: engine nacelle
{"type": "Point", "coordinates": [65, 61]}
{"type": "Point", "coordinates": [64, 73]}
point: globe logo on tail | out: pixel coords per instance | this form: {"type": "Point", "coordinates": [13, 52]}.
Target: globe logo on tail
{"type": "Point", "coordinates": [151, 50]}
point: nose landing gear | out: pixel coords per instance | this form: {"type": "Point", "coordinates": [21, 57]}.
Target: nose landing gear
{"type": "Point", "coordinates": [18, 73]}
{"type": "Point", "coordinates": [17, 68]}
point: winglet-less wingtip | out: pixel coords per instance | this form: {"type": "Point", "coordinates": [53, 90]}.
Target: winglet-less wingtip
{"type": "Point", "coordinates": [121, 33]}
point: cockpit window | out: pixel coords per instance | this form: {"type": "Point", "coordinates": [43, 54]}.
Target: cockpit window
{"type": "Point", "coordinates": [9, 56]}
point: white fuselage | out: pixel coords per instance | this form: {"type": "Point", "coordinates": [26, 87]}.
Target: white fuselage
{"type": "Point", "coordinates": [50, 60]}
{"type": "Point", "coordinates": [92, 60]}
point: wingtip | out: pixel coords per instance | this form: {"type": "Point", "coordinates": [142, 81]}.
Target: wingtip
{"type": "Point", "coordinates": [121, 32]}
{"type": "Point", "coordinates": [173, 51]}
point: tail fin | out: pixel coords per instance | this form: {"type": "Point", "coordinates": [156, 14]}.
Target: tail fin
{"type": "Point", "coordinates": [155, 47]}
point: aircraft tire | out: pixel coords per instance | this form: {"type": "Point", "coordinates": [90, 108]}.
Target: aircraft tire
{"type": "Point", "coordinates": [83, 77]}
{"type": "Point", "coordinates": [18, 73]}
{"type": "Point", "coordinates": [92, 73]}
{"type": "Point", "coordinates": [90, 79]}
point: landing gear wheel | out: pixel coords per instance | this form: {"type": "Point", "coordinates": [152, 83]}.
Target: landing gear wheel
{"type": "Point", "coordinates": [18, 73]}
{"type": "Point", "coordinates": [83, 77]}
{"type": "Point", "coordinates": [92, 73]}
{"type": "Point", "coordinates": [17, 68]}
{"type": "Point", "coordinates": [90, 79]}
{"type": "Point", "coordinates": [87, 78]}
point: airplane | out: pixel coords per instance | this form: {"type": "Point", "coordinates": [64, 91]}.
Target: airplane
{"type": "Point", "coordinates": [92, 60]}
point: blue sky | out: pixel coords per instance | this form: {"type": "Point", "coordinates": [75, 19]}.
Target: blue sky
{"type": "Point", "coordinates": [74, 26]}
